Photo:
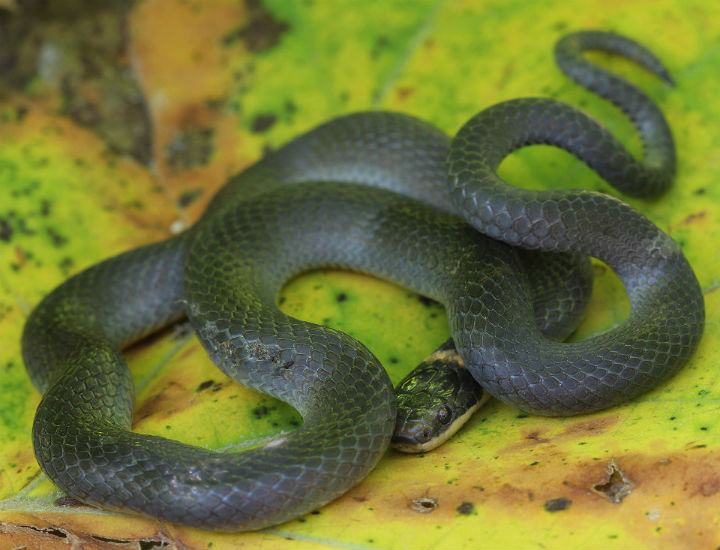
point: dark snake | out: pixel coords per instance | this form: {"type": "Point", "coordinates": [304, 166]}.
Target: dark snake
{"type": "Point", "coordinates": [224, 274]}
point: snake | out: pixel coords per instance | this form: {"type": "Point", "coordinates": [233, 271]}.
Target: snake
{"type": "Point", "coordinates": [390, 195]}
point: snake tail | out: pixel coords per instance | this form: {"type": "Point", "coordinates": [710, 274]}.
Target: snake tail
{"type": "Point", "coordinates": [667, 309]}
{"type": "Point", "coordinates": [654, 174]}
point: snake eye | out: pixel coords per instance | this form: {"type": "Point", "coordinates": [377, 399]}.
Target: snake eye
{"type": "Point", "coordinates": [444, 415]}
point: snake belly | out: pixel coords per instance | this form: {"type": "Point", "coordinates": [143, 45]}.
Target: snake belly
{"type": "Point", "coordinates": [270, 231]}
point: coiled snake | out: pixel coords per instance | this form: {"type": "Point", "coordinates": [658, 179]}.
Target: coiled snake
{"type": "Point", "coordinates": [224, 274]}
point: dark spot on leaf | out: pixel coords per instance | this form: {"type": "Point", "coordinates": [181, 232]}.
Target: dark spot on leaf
{"type": "Point", "coordinates": [466, 508]}
{"type": "Point", "coordinates": [381, 42]}
{"type": "Point", "coordinates": [5, 230]}
{"type": "Point", "coordinates": [56, 238]}
{"type": "Point", "coordinates": [341, 297]}
{"type": "Point", "coordinates": [261, 31]}
{"type": "Point", "coordinates": [261, 411]}
{"type": "Point", "coordinates": [44, 207]}
{"type": "Point", "coordinates": [66, 265]}
{"type": "Point", "coordinates": [424, 300]}
{"type": "Point", "coordinates": [4, 310]}
{"type": "Point", "coordinates": [700, 191]}
{"type": "Point", "coordinates": [262, 123]}
{"type": "Point", "coordinates": [189, 196]}
{"type": "Point", "coordinates": [557, 504]}
{"type": "Point", "coordinates": [394, 360]}
{"type": "Point", "coordinates": [205, 385]}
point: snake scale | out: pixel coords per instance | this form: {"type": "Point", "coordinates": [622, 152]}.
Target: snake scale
{"type": "Point", "coordinates": [369, 193]}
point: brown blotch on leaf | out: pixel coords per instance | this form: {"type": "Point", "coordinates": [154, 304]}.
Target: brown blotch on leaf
{"type": "Point", "coordinates": [466, 508]}
{"type": "Point", "coordinates": [615, 485]}
{"type": "Point", "coordinates": [535, 436]}
{"type": "Point", "coordinates": [710, 487]}
{"type": "Point", "coordinates": [165, 402]}
{"type": "Point", "coordinates": [695, 216]}
{"type": "Point", "coordinates": [595, 426]}
{"type": "Point", "coordinates": [404, 92]}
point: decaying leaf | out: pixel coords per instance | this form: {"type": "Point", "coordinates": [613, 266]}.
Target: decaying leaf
{"type": "Point", "coordinates": [222, 82]}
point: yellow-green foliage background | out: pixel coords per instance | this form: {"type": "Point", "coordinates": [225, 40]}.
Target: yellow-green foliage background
{"type": "Point", "coordinates": [248, 76]}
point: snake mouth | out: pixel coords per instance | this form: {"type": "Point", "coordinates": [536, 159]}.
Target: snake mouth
{"type": "Point", "coordinates": [412, 436]}
{"type": "Point", "coordinates": [407, 444]}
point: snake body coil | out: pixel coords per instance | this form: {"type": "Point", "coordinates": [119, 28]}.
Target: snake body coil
{"type": "Point", "coordinates": [224, 274]}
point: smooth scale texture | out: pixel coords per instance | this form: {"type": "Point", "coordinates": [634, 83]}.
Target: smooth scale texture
{"type": "Point", "coordinates": [224, 274]}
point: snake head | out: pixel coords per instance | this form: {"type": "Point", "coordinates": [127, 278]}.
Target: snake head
{"type": "Point", "coordinates": [434, 401]}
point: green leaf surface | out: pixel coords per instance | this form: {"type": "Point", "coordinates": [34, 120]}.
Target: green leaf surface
{"type": "Point", "coordinates": [224, 81]}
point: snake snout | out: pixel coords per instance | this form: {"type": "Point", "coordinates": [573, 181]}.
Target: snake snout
{"type": "Point", "coordinates": [411, 433]}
